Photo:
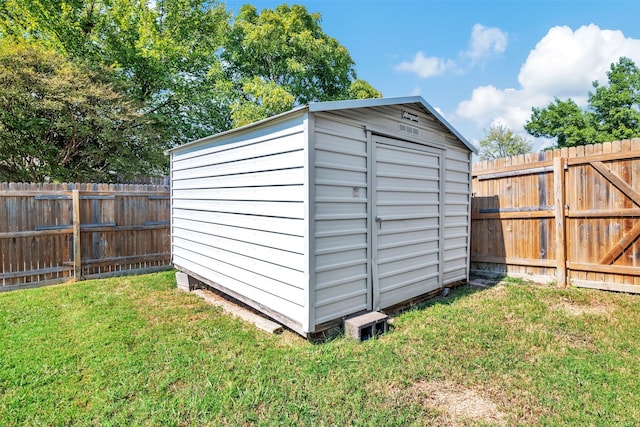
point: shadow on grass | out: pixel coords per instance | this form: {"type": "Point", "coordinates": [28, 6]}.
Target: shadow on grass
{"type": "Point", "coordinates": [445, 296]}
{"type": "Point", "coordinates": [449, 295]}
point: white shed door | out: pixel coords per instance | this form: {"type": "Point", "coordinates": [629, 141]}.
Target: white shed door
{"type": "Point", "coordinates": [406, 231]}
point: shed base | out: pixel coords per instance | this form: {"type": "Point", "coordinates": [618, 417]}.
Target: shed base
{"type": "Point", "coordinates": [189, 281]}
{"type": "Point", "coordinates": [239, 311]}
{"type": "Point", "coordinates": [185, 282]}
{"type": "Point", "coordinates": [200, 282]}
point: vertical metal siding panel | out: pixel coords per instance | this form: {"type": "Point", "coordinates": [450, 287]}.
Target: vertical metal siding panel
{"type": "Point", "coordinates": [238, 214]}
{"type": "Point", "coordinates": [468, 252]}
{"type": "Point", "coordinates": [372, 266]}
{"type": "Point", "coordinates": [171, 207]}
{"type": "Point", "coordinates": [309, 320]}
{"type": "Point", "coordinates": [341, 227]}
{"type": "Point", "coordinates": [442, 218]}
{"type": "Point", "coordinates": [457, 208]}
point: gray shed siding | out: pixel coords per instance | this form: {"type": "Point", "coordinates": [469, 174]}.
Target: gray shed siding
{"type": "Point", "coordinates": [457, 215]}
{"type": "Point", "coordinates": [361, 268]}
{"type": "Point", "coordinates": [319, 214]}
{"type": "Point", "coordinates": [341, 220]}
{"type": "Point", "coordinates": [238, 214]}
{"type": "Point", "coordinates": [407, 210]}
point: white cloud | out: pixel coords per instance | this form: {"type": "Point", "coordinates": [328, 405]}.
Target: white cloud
{"type": "Point", "coordinates": [489, 106]}
{"type": "Point", "coordinates": [485, 41]}
{"type": "Point", "coordinates": [426, 66]}
{"type": "Point", "coordinates": [563, 64]}
{"type": "Point", "coordinates": [417, 90]}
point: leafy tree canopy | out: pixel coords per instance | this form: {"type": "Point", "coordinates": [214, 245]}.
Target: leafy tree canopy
{"type": "Point", "coordinates": [361, 89]}
{"type": "Point", "coordinates": [281, 58]}
{"type": "Point", "coordinates": [500, 141]}
{"type": "Point", "coordinates": [62, 121]}
{"type": "Point", "coordinates": [164, 51]}
{"type": "Point", "coordinates": [180, 68]}
{"type": "Point", "coordinates": [613, 112]}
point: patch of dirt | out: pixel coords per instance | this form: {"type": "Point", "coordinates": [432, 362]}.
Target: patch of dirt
{"type": "Point", "coordinates": [578, 310]}
{"type": "Point", "coordinates": [458, 405]}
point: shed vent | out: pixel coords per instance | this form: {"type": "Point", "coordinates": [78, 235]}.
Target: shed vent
{"type": "Point", "coordinates": [409, 129]}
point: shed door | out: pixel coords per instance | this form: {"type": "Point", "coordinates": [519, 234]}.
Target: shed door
{"type": "Point", "coordinates": [406, 231]}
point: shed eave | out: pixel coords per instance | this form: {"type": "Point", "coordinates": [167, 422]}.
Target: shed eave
{"type": "Point", "coordinates": [236, 130]}
{"type": "Point", "coordinates": [379, 102]}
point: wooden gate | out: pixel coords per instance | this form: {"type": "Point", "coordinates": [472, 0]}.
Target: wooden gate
{"type": "Point", "coordinates": [569, 215]}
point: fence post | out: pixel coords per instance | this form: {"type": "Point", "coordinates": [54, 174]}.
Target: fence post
{"type": "Point", "coordinates": [558, 195]}
{"type": "Point", "coordinates": [77, 253]}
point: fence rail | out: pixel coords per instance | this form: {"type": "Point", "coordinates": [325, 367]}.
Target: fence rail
{"type": "Point", "coordinates": [51, 233]}
{"type": "Point", "coordinates": [571, 215]}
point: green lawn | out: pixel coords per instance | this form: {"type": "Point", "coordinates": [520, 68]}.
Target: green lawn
{"type": "Point", "coordinates": [136, 351]}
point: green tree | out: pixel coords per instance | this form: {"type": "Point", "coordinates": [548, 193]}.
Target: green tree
{"type": "Point", "coordinates": [283, 54]}
{"type": "Point", "coordinates": [565, 121]}
{"type": "Point", "coordinates": [616, 107]}
{"type": "Point", "coordinates": [165, 51]}
{"type": "Point", "coordinates": [500, 141]}
{"type": "Point", "coordinates": [613, 111]}
{"type": "Point", "coordinates": [178, 67]}
{"type": "Point", "coordinates": [261, 99]}
{"type": "Point", "coordinates": [61, 121]}
{"type": "Point", "coordinates": [361, 89]}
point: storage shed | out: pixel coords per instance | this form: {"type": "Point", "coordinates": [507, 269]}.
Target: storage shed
{"type": "Point", "coordinates": [325, 211]}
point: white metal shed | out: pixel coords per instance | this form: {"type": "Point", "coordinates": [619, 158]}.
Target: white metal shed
{"type": "Point", "coordinates": [328, 210]}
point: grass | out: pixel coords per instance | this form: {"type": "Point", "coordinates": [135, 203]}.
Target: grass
{"type": "Point", "coordinates": [135, 351]}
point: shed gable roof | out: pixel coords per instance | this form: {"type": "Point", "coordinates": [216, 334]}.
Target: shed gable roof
{"type": "Point", "coordinates": [342, 105]}
{"type": "Point", "coordinates": [379, 102]}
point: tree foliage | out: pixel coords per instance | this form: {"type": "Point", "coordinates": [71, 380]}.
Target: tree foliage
{"type": "Point", "coordinates": [62, 121]}
{"type": "Point", "coordinates": [500, 141]}
{"type": "Point", "coordinates": [361, 89]}
{"type": "Point", "coordinates": [180, 69]}
{"type": "Point", "coordinates": [164, 51]}
{"type": "Point", "coordinates": [281, 58]}
{"type": "Point", "coordinates": [613, 111]}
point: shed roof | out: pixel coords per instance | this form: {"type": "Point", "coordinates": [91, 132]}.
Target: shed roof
{"type": "Point", "coordinates": [344, 105]}
{"type": "Point", "coordinates": [379, 102]}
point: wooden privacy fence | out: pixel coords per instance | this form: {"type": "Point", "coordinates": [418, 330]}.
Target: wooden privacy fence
{"type": "Point", "coordinates": [51, 233]}
{"type": "Point", "coordinates": [570, 215]}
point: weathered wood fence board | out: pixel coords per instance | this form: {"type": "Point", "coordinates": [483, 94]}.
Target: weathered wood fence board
{"type": "Point", "coordinates": [51, 233]}
{"type": "Point", "coordinates": [570, 215]}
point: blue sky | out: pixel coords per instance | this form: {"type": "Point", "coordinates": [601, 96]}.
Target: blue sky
{"type": "Point", "coordinates": [481, 62]}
